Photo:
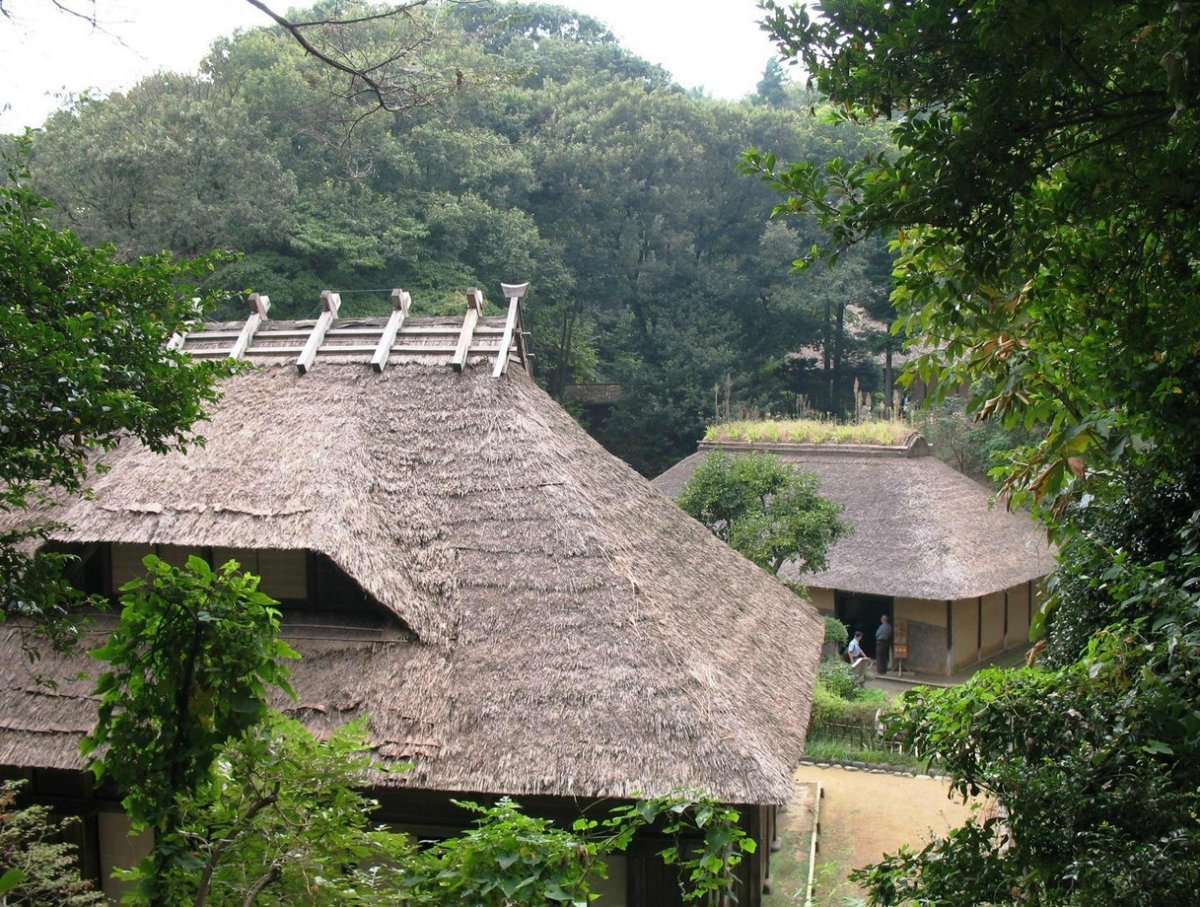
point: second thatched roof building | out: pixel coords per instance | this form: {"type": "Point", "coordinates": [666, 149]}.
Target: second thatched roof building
{"type": "Point", "coordinates": [958, 578]}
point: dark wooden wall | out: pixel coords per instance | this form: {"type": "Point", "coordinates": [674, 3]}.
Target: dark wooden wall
{"type": "Point", "coordinates": [431, 815]}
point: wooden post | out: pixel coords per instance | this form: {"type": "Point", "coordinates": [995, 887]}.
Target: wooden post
{"type": "Point", "coordinates": [330, 302]}
{"type": "Point", "coordinates": [259, 306]}
{"type": "Point", "coordinates": [813, 846]}
{"type": "Point", "coordinates": [474, 310]}
{"type": "Point", "coordinates": [513, 292]}
{"type": "Point", "coordinates": [400, 305]}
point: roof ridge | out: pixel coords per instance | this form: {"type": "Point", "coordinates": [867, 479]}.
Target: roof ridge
{"type": "Point", "coordinates": [914, 445]}
{"type": "Point", "coordinates": [376, 341]}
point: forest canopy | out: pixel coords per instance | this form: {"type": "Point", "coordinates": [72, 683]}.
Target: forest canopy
{"type": "Point", "coordinates": [554, 156]}
{"type": "Point", "coordinates": [1043, 197]}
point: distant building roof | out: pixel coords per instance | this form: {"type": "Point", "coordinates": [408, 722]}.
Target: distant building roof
{"type": "Point", "coordinates": [592, 394]}
{"type": "Point", "coordinates": [921, 529]}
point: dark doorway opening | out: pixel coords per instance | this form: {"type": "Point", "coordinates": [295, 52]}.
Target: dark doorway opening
{"type": "Point", "coordinates": [862, 612]}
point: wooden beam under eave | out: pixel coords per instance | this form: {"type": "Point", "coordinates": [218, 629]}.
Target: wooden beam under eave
{"type": "Point", "coordinates": [259, 306]}
{"type": "Point", "coordinates": [474, 310]}
{"type": "Point", "coordinates": [330, 302]}
{"type": "Point", "coordinates": [400, 305]}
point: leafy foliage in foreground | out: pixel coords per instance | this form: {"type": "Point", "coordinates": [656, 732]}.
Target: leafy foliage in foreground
{"type": "Point", "coordinates": [510, 858]}
{"type": "Point", "coordinates": [36, 869]}
{"type": "Point", "coordinates": [1042, 199]}
{"type": "Point", "coordinates": [1100, 809]}
{"type": "Point", "coordinates": [248, 807]}
{"type": "Point", "coordinates": [190, 665]}
{"type": "Point", "coordinates": [281, 819]}
{"type": "Point", "coordinates": [83, 364]}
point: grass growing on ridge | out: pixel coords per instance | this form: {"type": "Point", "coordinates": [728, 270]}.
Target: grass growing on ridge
{"type": "Point", "coordinates": [810, 431]}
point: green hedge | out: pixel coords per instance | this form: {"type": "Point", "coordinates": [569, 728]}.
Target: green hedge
{"type": "Point", "coordinates": [830, 708]}
{"type": "Point", "coordinates": [848, 720]}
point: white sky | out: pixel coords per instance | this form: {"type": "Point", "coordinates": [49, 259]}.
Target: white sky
{"type": "Point", "coordinates": [712, 44]}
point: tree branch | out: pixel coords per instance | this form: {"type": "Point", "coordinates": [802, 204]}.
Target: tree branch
{"type": "Point", "coordinates": [252, 895]}
{"type": "Point", "coordinates": [222, 846]}
{"type": "Point", "coordinates": [368, 79]}
{"type": "Point", "coordinates": [296, 32]}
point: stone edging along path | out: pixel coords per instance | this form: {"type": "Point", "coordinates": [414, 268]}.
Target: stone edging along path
{"type": "Point", "coordinates": [874, 769]}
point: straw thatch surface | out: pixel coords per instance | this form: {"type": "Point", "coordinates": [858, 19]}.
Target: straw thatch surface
{"type": "Point", "coordinates": [550, 623]}
{"type": "Point", "coordinates": [921, 529]}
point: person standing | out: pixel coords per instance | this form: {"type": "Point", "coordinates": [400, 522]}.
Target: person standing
{"type": "Point", "coordinates": [883, 644]}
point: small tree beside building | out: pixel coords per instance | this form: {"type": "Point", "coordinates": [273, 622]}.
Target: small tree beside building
{"type": "Point", "coordinates": [765, 510]}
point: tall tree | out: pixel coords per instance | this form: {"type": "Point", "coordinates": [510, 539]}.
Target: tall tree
{"type": "Point", "coordinates": [1043, 198]}
{"type": "Point", "coordinates": [770, 89]}
{"type": "Point", "coordinates": [162, 167]}
{"type": "Point", "coordinates": [83, 364]}
{"type": "Point", "coordinates": [579, 168]}
{"type": "Point", "coordinates": [191, 663]}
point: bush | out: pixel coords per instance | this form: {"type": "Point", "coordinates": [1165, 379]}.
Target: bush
{"type": "Point", "coordinates": [34, 867]}
{"type": "Point", "coordinates": [848, 722]}
{"type": "Point", "coordinates": [837, 677]}
{"type": "Point", "coordinates": [830, 708]}
{"type": "Point", "coordinates": [836, 633]}
{"type": "Point", "coordinates": [840, 751]}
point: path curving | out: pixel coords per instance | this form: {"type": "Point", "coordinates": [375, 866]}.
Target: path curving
{"type": "Point", "coordinates": [864, 815]}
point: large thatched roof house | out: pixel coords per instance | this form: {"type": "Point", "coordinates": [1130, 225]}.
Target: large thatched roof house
{"type": "Point", "coordinates": [515, 610]}
{"type": "Point", "coordinates": [958, 577]}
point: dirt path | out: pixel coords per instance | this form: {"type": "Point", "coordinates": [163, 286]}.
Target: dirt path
{"type": "Point", "coordinates": [863, 816]}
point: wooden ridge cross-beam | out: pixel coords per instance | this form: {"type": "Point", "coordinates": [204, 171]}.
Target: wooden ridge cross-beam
{"type": "Point", "coordinates": [259, 306]}
{"type": "Point", "coordinates": [401, 302]}
{"type": "Point", "coordinates": [330, 302]}
{"type": "Point", "coordinates": [470, 320]}
{"type": "Point", "coordinates": [494, 342]}
{"type": "Point", "coordinates": [512, 327]}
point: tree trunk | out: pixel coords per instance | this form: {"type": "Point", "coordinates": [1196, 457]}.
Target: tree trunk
{"type": "Point", "coordinates": [839, 334]}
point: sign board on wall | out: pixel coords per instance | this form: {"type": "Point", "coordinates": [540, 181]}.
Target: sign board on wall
{"type": "Point", "coordinates": [900, 645]}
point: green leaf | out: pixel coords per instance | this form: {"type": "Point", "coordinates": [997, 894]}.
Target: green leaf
{"type": "Point", "coordinates": [10, 880]}
{"type": "Point", "coordinates": [505, 860]}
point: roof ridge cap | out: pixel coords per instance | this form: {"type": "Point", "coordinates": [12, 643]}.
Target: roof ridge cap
{"type": "Point", "coordinates": [914, 446]}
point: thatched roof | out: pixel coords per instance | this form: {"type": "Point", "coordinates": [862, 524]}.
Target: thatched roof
{"type": "Point", "coordinates": [549, 623]}
{"type": "Point", "coordinates": [921, 529]}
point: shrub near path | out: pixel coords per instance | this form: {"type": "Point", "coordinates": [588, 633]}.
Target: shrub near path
{"type": "Point", "coordinates": [863, 816]}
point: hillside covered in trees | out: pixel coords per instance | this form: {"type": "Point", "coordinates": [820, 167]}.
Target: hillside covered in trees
{"type": "Point", "coordinates": [530, 146]}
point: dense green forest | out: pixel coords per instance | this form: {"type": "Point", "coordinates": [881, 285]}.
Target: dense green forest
{"type": "Point", "coordinates": [1043, 194]}
{"type": "Point", "coordinates": [531, 146]}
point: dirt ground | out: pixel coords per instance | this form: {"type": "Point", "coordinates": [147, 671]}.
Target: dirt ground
{"type": "Point", "coordinates": [863, 816]}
